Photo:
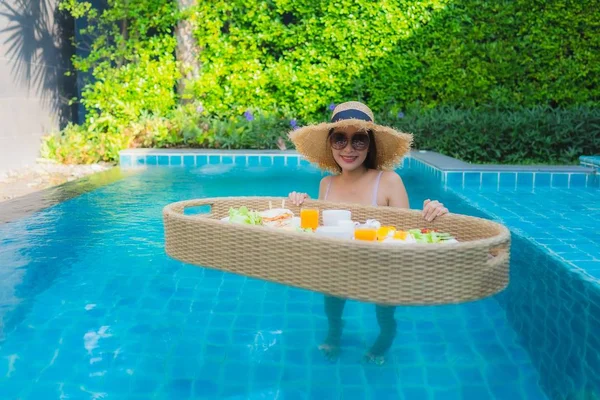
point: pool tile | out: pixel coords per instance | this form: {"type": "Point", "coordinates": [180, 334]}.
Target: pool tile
{"type": "Point", "coordinates": [214, 160]}
{"type": "Point", "coordinates": [189, 160]}
{"type": "Point", "coordinates": [472, 178]}
{"type": "Point", "coordinates": [266, 161]}
{"type": "Point", "coordinates": [253, 161]}
{"type": "Point", "coordinates": [240, 160]}
{"type": "Point", "coordinates": [317, 392]}
{"type": "Point", "coordinates": [294, 374]}
{"type": "Point", "coordinates": [415, 392]}
{"type": "Point", "coordinates": [412, 375]}
{"type": "Point", "coordinates": [440, 377]}
{"type": "Point", "coordinates": [578, 180]}
{"type": "Point", "coordinates": [267, 374]}
{"type": "Point", "coordinates": [357, 393]}
{"type": "Point", "coordinates": [455, 178]}
{"type": "Point", "coordinates": [278, 161]}
{"type": "Point", "coordinates": [508, 179]}
{"type": "Point", "coordinates": [151, 160]}
{"type": "Point", "coordinates": [525, 179]}
{"type": "Point", "coordinates": [542, 179]}
{"type": "Point", "coordinates": [201, 160]}
{"type": "Point", "coordinates": [163, 160]}
{"type": "Point", "coordinates": [292, 161]}
{"type": "Point", "coordinates": [226, 160]}
{"type": "Point", "coordinates": [204, 387]}
{"type": "Point", "coordinates": [475, 392]}
{"type": "Point", "coordinates": [175, 160]}
{"type": "Point", "coordinates": [448, 394]}
{"type": "Point", "coordinates": [560, 180]}
{"type": "Point", "coordinates": [489, 179]}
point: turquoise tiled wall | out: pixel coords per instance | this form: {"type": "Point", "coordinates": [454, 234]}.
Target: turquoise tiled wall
{"type": "Point", "coordinates": [129, 160]}
{"type": "Point", "coordinates": [523, 179]}
{"type": "Point", "coordinates": [516, 180]}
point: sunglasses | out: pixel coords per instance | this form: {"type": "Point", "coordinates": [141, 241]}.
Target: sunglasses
{"type": "Point", "coordinates": [359, 141]}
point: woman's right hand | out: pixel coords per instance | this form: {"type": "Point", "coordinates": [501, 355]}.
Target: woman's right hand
{"type": "Point", "coordinates": [298, 198]}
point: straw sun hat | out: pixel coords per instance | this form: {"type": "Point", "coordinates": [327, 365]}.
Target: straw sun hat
{"type": "Point", "coordinates": [311, 140]}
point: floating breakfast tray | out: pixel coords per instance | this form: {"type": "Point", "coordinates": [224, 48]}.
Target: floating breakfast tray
{"type": "Point", "coordinates": [395, 274]}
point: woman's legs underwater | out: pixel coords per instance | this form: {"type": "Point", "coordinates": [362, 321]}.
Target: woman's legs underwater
{"type": "Point", "coordinates": [387, 332]}
{"type": "Point", "coordinates": [334, 308]}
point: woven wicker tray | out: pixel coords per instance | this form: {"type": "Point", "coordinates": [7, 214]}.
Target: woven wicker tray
{"type": "Point", "coordinates": [410, 274]}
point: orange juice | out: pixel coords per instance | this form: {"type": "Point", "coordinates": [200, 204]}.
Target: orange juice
{"type": "Point", "coordinates": [400, 235]}
{"type": "Point", "coordinates": [309, 218]}
{"type": "Point", "coordinates": [384, 231]}
{"type": "Point", "coordinates": [365, 234]}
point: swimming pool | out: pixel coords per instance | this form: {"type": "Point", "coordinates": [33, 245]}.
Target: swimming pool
{"type": "Point", "coordinates": [91, 307]}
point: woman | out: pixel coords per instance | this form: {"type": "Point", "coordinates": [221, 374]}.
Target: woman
{"type": "Point", "coordinates": [362, 155]}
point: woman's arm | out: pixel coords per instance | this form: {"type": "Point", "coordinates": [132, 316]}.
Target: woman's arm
{"type": "Point", "coordinates": [323, 187]}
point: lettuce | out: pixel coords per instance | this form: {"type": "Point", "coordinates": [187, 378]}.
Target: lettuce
{"type": "Point", "coordinates": [244, 216]}
{"type": "Point", "coordinates": [429, 236]}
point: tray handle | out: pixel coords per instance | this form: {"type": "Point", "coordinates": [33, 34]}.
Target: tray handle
{"type": "Point", "coordinates": [181, 206]}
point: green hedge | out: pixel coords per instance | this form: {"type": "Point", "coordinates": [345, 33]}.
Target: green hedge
{"type": "Point", "coordinates": [305, 55]}
{"type": "Point", "coordinates": [538, 135]}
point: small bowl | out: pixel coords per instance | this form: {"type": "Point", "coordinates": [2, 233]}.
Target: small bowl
{"type": "Point", "coordinates": [332, 217]}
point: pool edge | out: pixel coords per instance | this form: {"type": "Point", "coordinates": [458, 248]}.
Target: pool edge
{"type": "Point", "coordinates": [23, 206]}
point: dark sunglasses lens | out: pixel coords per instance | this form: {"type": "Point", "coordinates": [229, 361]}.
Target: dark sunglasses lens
{"type": "Point", "coordinates": [360, 142]}
{"type": "Point", "coordinates": [338, 141]}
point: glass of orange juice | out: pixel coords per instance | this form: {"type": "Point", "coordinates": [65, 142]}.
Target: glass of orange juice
{"type": "Point", "coordinates": [368, 234]}
{"type": "Point", "coordinates": [309, 218]}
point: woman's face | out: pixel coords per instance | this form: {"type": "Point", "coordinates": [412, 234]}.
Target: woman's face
{"type": "Point", "coordinates": [349, 147]}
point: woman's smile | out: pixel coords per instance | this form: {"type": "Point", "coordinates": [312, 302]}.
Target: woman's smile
{"type": "Point", "coordinates": [348, 159]}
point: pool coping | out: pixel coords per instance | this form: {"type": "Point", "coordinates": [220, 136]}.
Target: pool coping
{"type": "Point", "coordinates": [446, 163]}
{"type": "Point", "coordinates": [23, 206]}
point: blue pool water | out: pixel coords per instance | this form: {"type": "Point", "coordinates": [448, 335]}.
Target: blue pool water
{"type": "Point", "coordinates": [91, 307]}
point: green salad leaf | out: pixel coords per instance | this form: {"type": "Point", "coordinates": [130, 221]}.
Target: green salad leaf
{"type": "Point", "coordinates": [429, 236]}
{"type": "Point", "coordinates": [244, 216]}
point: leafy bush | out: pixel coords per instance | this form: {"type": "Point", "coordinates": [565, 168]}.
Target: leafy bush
{"type": "Point", "coordinates": [525, 136]}
{"type": "Point", "coordinates": [537, 135]}
{"type": "Point", "coordinates": [186, 126]}
{"type": "Point", "coordinates": [462, 53]}
{"type": "Point", "coordinates": [133, 73]}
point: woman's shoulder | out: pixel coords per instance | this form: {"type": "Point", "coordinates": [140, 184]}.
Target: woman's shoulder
{"type": "Point", "coordinates": [390, 176]}
{"type": "Point", "coordinates": [326, 179]}
{"type": "Point", "coordinates": [392, 181]}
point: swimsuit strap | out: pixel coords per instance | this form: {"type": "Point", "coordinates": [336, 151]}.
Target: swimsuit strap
{"type": "Point", "coordinates": [328, 186]}
{"type": "Point", "coordinates": [376, 188]}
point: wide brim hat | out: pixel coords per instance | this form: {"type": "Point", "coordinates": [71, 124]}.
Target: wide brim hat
{"type": "Point", "coordinates": [311, 141]}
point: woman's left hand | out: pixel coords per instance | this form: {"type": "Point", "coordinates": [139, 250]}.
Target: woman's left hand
{"type": "Point", "coordinates": [433, 209]}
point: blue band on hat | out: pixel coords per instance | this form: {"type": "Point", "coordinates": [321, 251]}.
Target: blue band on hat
{"type": "Point", "coordinates": [351, 114]}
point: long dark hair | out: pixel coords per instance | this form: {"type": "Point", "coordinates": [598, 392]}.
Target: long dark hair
{"type": "Point", "coordinates": [371, 159]}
